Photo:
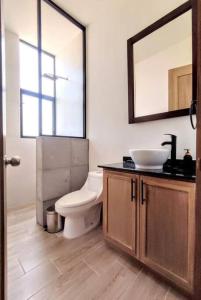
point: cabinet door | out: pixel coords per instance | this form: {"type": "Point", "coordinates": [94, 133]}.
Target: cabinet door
{"type": "Point", "coordinates": [120, 209]}
{"type": "Point", "coordinates": [167, 216]}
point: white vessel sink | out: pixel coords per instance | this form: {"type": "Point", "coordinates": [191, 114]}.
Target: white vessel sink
{"type": "Point", "coordinates": [149, 158]}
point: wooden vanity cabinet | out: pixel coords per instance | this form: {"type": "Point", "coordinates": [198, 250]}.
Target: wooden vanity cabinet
{"type": "Point", "coordinates": [120, 210]}
{"type": "Point", "coordinates": [167, 222]}
{"type": "Point", "coordinates": [156, 226]}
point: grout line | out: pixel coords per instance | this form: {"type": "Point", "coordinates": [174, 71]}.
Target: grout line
{"type": "Point", "coordinates": [19, 262]}
{"type": "Point", "coordinates": [35, 267]}
{"type": "Point", "coordinates": [41, 289]}
{"type": "Point", "coordinates": [43, 262]}
{"type": "Point", "coordinates": [132, 284]}
{"type": "Point", "coordinates": [167, 293]}
{"type": "Point", "coordinates": [91, 268]}
{"type": "Point", "coordinates": [93, 248]}
{"type": "Point", "coordinates": [138, 274]}
{"type": "Point", "coordinates": [125, 265]}
{"type": "Point", "coordinates": [54, 263]}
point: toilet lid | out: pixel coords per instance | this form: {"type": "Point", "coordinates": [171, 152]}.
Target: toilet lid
{"type": "Point", "coordinates": [77, 198]}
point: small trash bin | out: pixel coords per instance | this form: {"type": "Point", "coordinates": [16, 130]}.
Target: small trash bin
{"type": "Point", "coordinates": [54, 220]}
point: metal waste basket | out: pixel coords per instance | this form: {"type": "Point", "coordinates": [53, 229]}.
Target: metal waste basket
{"type": "Point", "coordinates": [54, 220]}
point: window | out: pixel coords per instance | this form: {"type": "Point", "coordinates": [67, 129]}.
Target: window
{"type": "Point", "coordinates": [29, 91]}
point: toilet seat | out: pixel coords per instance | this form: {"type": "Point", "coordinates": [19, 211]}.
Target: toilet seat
{"type": "Point", "coordinates": [77, 198]}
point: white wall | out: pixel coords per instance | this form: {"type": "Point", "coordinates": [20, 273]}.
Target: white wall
{"type": "Point", "coordinates": [108, 130]}
{"type": "Point", "coordinates": [21, 181]}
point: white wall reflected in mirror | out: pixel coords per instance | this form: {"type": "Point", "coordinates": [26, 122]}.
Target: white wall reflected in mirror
{"type": "Point", "coordinates": [163, 68]}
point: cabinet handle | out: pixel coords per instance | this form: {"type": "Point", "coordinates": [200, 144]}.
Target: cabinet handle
{"type": "Point", "coordinates": [133, 189]}
{"type": "Point", "coordinates": [143, 197]}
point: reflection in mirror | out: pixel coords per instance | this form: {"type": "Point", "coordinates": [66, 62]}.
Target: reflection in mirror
{"type": "Point", "coordinates": [163, 68]}
{"type": "Point", "coordinates": [62, 75]}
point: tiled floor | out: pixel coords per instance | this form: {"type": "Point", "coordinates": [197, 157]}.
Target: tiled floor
{"type": "Point", "coordinates": [46, 266]}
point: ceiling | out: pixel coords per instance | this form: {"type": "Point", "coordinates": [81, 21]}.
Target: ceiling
{"type": "Point", "coordinates": [20, 17]}
{"type": "Point", "coordinates": [89, 11]}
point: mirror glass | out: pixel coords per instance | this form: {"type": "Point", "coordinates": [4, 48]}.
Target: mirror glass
{"type": "Point", "coordinates": [163, 68]}
{"type": "Point", "coordinates": [62, 75]}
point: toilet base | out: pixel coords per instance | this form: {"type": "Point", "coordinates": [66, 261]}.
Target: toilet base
{"type": "Point", "coordinates": [79, 224]}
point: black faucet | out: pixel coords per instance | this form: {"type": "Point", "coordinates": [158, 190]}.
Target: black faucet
{"type": "Point", "coordinates": [173, 144]}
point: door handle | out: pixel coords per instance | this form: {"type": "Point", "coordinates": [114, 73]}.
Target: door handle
{"type": "Point", "coordinates": [13, 161]}
{"type": "Point", "coordinates": [193, 110]}
{"type": "Point", "coordinates": [143, 192]}
{"type": "Point", "coordinates": [133, 189]}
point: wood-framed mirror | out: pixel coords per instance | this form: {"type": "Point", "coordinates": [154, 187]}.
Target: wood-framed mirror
{"type": "Point", "coordinates": [162, 68]}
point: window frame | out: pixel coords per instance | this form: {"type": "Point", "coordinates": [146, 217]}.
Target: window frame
{"type": "Point", "coordinates": [40, 50]}
{"type": "Point", "coordinates": [39, 96]}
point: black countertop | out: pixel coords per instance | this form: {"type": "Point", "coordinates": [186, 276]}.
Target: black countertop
{"type": "Point", "coordinates": [129, 168]}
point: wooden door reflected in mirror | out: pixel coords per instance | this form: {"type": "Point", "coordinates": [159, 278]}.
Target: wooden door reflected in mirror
{"type": "Point", "coordinates": [180, 87]}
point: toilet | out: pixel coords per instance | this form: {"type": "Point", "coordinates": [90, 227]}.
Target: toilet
{"type": "Point", "coordinates": [82, 208]}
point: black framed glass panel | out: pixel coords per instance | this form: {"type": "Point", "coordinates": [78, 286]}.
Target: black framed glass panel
{"type": "Point", "coordinates": [29, 114]}
{"type": "Point", "coordinates": [65, 79]}
{"type": "Point", "coordinates": [29, 89]}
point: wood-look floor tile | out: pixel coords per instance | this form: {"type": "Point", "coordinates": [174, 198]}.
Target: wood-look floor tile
{"type": "Point", "coordinates": [111, 284]}
{"type": "Point", "coordinates": [49, 267]}
{"type": "Point", "coordinates": [26, 244]}
{"type": "Point", "coordinates": [129, 261]}
{"type": "Point", "coordinates": [16, 218]}
{"type": "Point", "coordinates": [174, 295]}
{"type": "Point", "coordinates": [37, 255]}
{"type": "Point", "coordinates": [145, 287]}
{"type": "Point", "coordinates": [14, 269]}
{"type": "Point", "coordinates": [32, 282]}
{"type": "Point", "coordinates": [78, 249]}
{"type": "Point", "coordinates": [101, 258]}
{"type": "Point", "coordinates": [72, 279]}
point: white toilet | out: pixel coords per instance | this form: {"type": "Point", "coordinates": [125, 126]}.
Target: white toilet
{"type": "Point", "coordinates": [82, 208]}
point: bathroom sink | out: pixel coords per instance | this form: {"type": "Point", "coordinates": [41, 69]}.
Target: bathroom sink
{"type": "Point", "coordinates": [149, 158]}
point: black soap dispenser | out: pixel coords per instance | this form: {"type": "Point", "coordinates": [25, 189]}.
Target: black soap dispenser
{"type": "Point", "coordinates": [188, 162]}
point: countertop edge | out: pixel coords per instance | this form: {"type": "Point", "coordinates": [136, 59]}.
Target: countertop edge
{"type": "Point", "coordinates": [149, 173]}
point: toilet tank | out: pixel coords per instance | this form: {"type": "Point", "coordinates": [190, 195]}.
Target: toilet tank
{"type": "Point", "coordinates": [94, 182]}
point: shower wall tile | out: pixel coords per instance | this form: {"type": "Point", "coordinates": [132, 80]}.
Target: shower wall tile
{"type": "Point", "coordinates": [56, 152]}
{"type": "Point", "coordinates": [78, 177]}
{"type": "Point", "coordinates": [80, 152]}
{"type": "Point", "coordinates": [62, 167]}
{"type": "Point", "coordinates": [55, 183]}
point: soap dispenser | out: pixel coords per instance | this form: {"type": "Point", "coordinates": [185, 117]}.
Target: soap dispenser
{"type": "Point", "coordinates": [188, 161]}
